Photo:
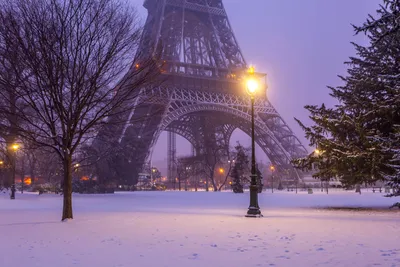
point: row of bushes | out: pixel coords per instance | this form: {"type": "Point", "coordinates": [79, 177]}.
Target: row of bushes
{"type": "Point", "coordinates": [82, 187]}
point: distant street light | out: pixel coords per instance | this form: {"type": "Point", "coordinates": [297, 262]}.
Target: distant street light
{"type": "Point", "coordinates": [15, 148]}
{"type": "Point", "coordinates": [272, 168]}
{"type": "Point", "coordinates": [252, 85]}
{"type": "Point", "coordinates": [221, 170]}
{"type": "Point", "coordinates": [319, 152]}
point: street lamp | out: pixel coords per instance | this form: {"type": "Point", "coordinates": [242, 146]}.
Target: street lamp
{"type": "Point", "coordinates": [252, 85]}
{"type": "Point", "coordinates": [319, 152]}
{"type": "Point", "coordinates": [15, 148]}
{"type": "Point", "coordinates": [272, 168]}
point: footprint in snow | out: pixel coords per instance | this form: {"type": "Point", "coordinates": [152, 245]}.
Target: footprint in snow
{"type": "Point", "coordinates": [194, 256]}
{"type": "Point", "coordinates": [283, 257]}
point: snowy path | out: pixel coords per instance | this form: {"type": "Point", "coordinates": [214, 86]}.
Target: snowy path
{"type": "Point", "coordinates": [199, 229]}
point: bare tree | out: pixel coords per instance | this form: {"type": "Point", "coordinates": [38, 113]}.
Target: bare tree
{"type": "Point", "coordinates": [182, 171]}
{"type": "Point", "coordinates": [8, 115]}
{"type": "Point", "coordinates": [67, 57]}
{"type": "Point", "coordinates": [215, 152]}
{"type": "Point", "coordinates": [186, 168]}
{"type": "Point", "coordinates": [232, 156]}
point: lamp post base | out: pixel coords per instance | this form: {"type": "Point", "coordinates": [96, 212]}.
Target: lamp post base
{"type": "Point", "coordinates": [248, 215]}
{"type": "Point", "coordinates": [254, 209]}
{"type": "Point", "coordinates": [12, 195]}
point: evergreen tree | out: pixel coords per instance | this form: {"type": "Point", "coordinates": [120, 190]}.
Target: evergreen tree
{"type": "Point", "coordinates": [358, 140]}
{"type": "Point", "coordinates": [239, 169]}
{"type": "Point", "coordinates": [280, 186]}
{"type": "Point", "coordinates": [237, 185]}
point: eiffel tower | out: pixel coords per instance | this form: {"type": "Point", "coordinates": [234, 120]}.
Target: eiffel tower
{"type": "Point", "coordinates": [202, 94]}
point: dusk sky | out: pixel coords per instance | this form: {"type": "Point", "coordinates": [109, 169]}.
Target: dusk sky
{"type": "Point", "coordinates": [301, 45]}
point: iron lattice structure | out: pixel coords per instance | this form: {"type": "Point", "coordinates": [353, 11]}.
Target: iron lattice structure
{"type": "Point", "coordinates": [202, 92]}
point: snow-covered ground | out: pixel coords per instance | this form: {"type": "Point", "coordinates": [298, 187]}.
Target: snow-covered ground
{"type": "Point", "coordinates": [199, 229]}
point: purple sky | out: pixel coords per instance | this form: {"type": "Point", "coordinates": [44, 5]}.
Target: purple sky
{"type": "Point", "coordinates": [301, 45]}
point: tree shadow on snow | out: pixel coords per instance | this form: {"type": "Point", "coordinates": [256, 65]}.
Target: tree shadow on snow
{"type": "Point", "coordinates": [29, 223]}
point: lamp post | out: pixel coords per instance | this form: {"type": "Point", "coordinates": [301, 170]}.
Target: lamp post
{"type": "Point", "coordinates": [1, 171]}
{"type": "Point", "coordinates": [15, 148]}
{"type": "Point", "coordinates": [318, 152]}
{"type": "Point", "coordinates": [254, 211]}
{"type": "Point", "coordinates": [272, 168]}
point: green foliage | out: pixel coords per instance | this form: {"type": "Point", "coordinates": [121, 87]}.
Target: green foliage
{"type": "Point", "coordinates": [359, 139]}
{"type": "Point", "coordinates": [239, 169]}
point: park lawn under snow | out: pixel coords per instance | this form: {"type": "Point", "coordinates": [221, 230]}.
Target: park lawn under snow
{"type": "Point", "coordinates": [199, 229]}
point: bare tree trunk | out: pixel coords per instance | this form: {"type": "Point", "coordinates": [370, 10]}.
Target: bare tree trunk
{"type": "Point", "coordinates": [32, 166]}
{"type": "Point", "coordinates": [213, 182]}
{"type": "Point", "coordinates": [179, 184]}
{"type": "Point", "coordinates": [226, 178]}
{"type": "Point", "coordinates": [67, 189]}
{"type": "Point", "coordinates": [22, 173]}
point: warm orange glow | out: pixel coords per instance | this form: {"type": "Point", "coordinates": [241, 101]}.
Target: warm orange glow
{"type": "Point", "coordinates": [137, 66]}
{"type": "Point", "coordinates": [317, 151]}
{"type": "Point", "coordinates": [272, 168]}
{"type": "Point", "coordinates": [230, 182]}
{"type": "Point", "coordinates": [252, 86]}
{"type": "Point", "coordinates": [251, 70]}
{"type": "Point", "coordinates": [221, 170]}
{"type": "Point", "coordinates": [1, 162]}
{"type": "Point", "coordinates": [28, 181]}
{"type": "Point", "coordinates": [15, 147]}
{"type": "Point", "coordinates": [84, 178]}
{"type": "Point", "coordinates": [232, 75]}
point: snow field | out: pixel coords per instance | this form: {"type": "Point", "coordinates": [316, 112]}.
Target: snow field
{"type": "Point", "coordinates": [200, 229]}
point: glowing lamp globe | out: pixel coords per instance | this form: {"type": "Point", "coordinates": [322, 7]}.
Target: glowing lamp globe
{"type": "Point", "coordinates": [252, 86]}
{"type": "Point", "coordinates": [272, 168]}
{"type": "Point", "coordinates": [15, 147]}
